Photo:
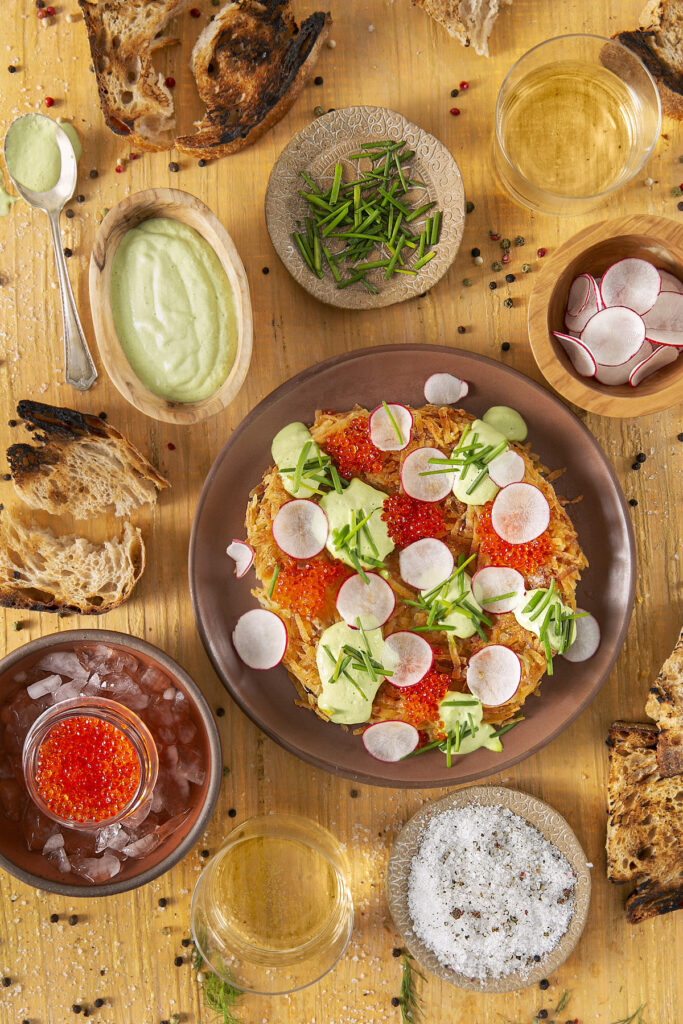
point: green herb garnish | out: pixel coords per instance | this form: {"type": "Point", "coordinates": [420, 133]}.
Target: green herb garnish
{"type": "Point", "coordinates": [411, 1003]}
{"type": "Point", "coordinates": [271, 588]}
{"type": "Point", "coordinates": [635, 1017]}
{"type": "Point", "coordinates": [219, 995]}
{"type": "Point", "coordinates": [393, 422]}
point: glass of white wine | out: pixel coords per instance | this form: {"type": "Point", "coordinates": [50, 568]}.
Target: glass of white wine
{"type": "Point", "coordinates": [576, 118]}
{"type": "Point", "coordinates": [272, 911]}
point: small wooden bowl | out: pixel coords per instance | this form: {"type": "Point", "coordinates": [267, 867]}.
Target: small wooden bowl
{"type": "Point", "coordinates": [181, 206]}
{"type": "Point", "coordinates": [655, 239]}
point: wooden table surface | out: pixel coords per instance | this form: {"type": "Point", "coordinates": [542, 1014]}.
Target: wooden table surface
{"type": "Point", "coordinates": [389, 53]}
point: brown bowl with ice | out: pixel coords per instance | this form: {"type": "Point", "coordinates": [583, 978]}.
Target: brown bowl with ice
{"type": "Point", "coordinates": [110, 858]}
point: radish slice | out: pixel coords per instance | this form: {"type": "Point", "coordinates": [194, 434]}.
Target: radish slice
{"type": "Point", "coordinates": [660, 357]}
{"type": "Point", "coordinates": [507, 468]}
{"type": "Point", "coordinates": [614, 335]}
{"type": "Point", "coordinates": [390, 741]}
{"type": "Point", "coordinates": [494, 581]}
{"type": "Point", "coordinates": [631, 282]}
{"type": "Point", "coordinates": [260, 639]}
{"type": "Point", "coordinates": [243, 555]}
{"type": "Point", "coordinates": [576, 321]}
{"type": "Point", "coordinates": [587, 639]}
{"type": "Point", "coordinates": [493, 674]}
{"type": "Point", "coordinates": [579, 293]}
{"type": "Point", "coordinates": [520, 513]}
{"type": "Point", "coordinates": [300, 528]}
{"type": "Point", "coordinates": [581, 358]}
{"type": "Point", "coordinates": [621, 374]}
{"type": "Point", "coordinates": [445, 389]}
{"type": "Point", "coordinates": [425, 563]}
{"type": "Point", "coordinates": [433, 487]}
{"type": "Point", "coordinates": [674, 339]}
{"type": "Point", "coordinates": [414, 658]}
{"type": "Point", "coordinates": [670, 283]}
{"type": "Point", "coordinates": [666, 314]}
{"type": "Point", "coordinates": [371, 602]}
{"type": "Point", "coordinates": [384, 434]}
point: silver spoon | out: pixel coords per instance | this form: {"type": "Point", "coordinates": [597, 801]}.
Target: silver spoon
{"type": "Point", "coordinates": [79, 369]}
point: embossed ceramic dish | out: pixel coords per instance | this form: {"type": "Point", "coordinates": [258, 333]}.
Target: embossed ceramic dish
{"type": "Point", "coordinates": [316, 150]}
{"type": "Point", "coordinates": [552, 827]}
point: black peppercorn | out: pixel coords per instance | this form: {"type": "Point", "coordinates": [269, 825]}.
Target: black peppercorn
{"type": "Point", "coordinates": [542, 1014]}
{"type": "Point", "coordinates": [201, 163]}
{"type": "Point", "coordinates": [80, 198]}
{"type": "Point", "coordinates": [220, 712]}
{"type": "Point", "coordinates": [509, 278]}
{"type": "Point", "coordinates": [86, 1012]}
{"type": "Point", "coordinates": [204, 853]}
{"type": "Point", "coordinates": [54, 918]}
{"type": "Point", "coordinates": [632, 502]}
{"type": "Point", "coordinates": [505, 346]}
{"type": "Point", "coordinates": [461, 329]}
{"type": "Point", "coordinates": [11, 423]}
{"type": "Point", "coordinates": [476, 252]}
{"type": "Point", "coordinates": [492, 285]}
{"type": "Point", "coordinates": [469, 207]}
{"type": "Point", "coordinates": [102, 415]}
{"type": "Point", "coordinates": [40, 4]}
{"type": "Point", "coordinates": [455, 92]}
{"type": "Point", "coordinates": [73, 919]}
{"type": "Point", "coordinates": [636, 465]}
{"type": "Point", "coordinates": [173, 167]}
{"type": "Point", "coordinates": [185, 942]}
{"type": "Point", "coordinates": [641, 457]}
{"type": "Point", "coordinates": [6, 982]}
{"type": "Point", "coordinates": [318, 80]}
{"type": "Point", "coordinates": [94, 174]}
{"type": "Point", "coordinates": [395, 1001]}
{"type": "Point", "coordinates": [232, 813]}
{"type": "Point", "coordinates": [537, 958]}
{"type": "Point", "coordinates": [353, 793]}
{"type": "Point", "coordinates": [543, 984]}
{"type": "Point", "coordinates": [11, 69]}
{"type": "Point", "coordinates": [178, 961]}
{"type": "Point", "coordinates": [68, 252]}
{"type": "Point", "coordinates": [396, 951]}
{"type": "Point", "coordinates": [6, 476]}
{"type": "Point", "coordinates": [162, 901]}
{"type": "Point", "coordinates": [265, 270]}
{"type": "Point", "coordinates": [98, 1003]}
{"type": "Point", "coordinates": [508, 303]}
{"type": "Point", "coordinates": [76, 1008]}
{"type": "Point", "coordinates": [679, 437]}
{"type": "Point", "coordinates": [680, 205]}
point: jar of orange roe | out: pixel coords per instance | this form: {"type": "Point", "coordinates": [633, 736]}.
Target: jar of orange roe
{"type": "Point", "coordinates": [89, 762]}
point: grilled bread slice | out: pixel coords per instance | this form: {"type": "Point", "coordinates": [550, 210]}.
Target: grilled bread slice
{"type": "Point", "coordinates": [665, 706]}
{"type": "Point", "coordinates": [469, 21]}
{"type": "Point", "coordinates": [659, 44]}
{"type": "Point", "coordinates": [645, 824]}
{"type": "Point", "coordinates": [40, 571]}
{"type": "Point", "coordinates": [250, 63]}
{"type": "Point", "coordinates": [80, 465]}
{"type": "Point", "coordinates": [134, 100]}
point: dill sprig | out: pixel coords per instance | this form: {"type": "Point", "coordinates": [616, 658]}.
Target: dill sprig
{"type": "Point", "coordinates": [411, 1002]}
{"type": "Point", "coordinates": [635, 1017]}
{"type": "Point", "coordinates": [219, 996]}
{"type": "Point", "coordinates": [562, 1002]}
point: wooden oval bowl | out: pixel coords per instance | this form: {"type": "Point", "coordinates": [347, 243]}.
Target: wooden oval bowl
{"type": "Point", "coordinates": [176, 205]}
{"type": "Point", "coordinates": [655, 239]}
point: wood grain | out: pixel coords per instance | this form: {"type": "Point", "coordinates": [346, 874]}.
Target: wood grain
{"type": "Point", "coordinates": [122, 948]}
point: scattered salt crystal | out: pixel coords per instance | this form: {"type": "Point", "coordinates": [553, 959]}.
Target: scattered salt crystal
{"type": "Point", "coordinates": [42, 686]}
{"type": "Point", "coordinates": [55, 842]}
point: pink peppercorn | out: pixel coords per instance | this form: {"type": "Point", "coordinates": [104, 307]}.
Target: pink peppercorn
{"type": "Point", "coordinates": [169, 82]}
{"type": "Point", "coordinates": [49, 102]}
{"type": "Point", "coordinates": [464, 85]}
{"type": "Point", "coordinates": [171, 446]}
{"type": "Point", "coordinates": [50, 11]}
{"type": "Point", "coordinates": [41, 14]}
{"type": "Point", "coordinates": [195, 12]}
{"type": "Point", "coordinates": [505, 258]}
{"type": "Point", "coordinates": [133, 156]}
{"type": "Point", "coordinates": [119, 168]}
{"type": "Point", "coordinates": [541, 253]}
{"type": "Point", "coordinates": [454, 111]}
{"type": "Point", "coordinates": [494, 236]}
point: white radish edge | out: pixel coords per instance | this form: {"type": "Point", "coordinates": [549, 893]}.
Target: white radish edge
{"type": "Point", "coordinates": [445, 389]}
{"type": "Point", "coordinates": [260, 639]}
{"type": "Point", "coordinates": [614, 375]}
{"type": "Point", "coordinates": [390, 741]}
{"type": "Point", "coordinates": [614, 335]}
{"type": "Point", "coordinates": [381, 429]}
{"type": "Point", "coordinates": [484, 585]}
{"type": "Point", "coordinates": [502, 672]}
{"type": "Point", "coordinates": [425, 488]}
{"type": "Point", "coordinates": [660, 358]}
{"type": "Point", "coordinates": [666, 314]}
{"type": "Point", "coordinates": [617, 290]}
{"type": "Point", "coordinates": [580, 356]}
{"type": "Point", "coordinates": [579, 294]}
{"type": "Point", "coordinates": [507, 468]}
{"type": "Point", "coordinates": [670, 283]}
{"type": "Point", "coordinates": [410, 649]}
{"type": "Point", "coordinates": [243, 556]}
{"type": "Point", "coordinates": [373, 602]}
{"type": "Point", "coordinates": [510, 501]}
{"type": "Point", "coordinates": [418, 563]}
{"type": "Point", "coordinates": [318, 528]}
{"type": "Point", "coordinates": [672, 339]}
{"type": "Point", "coordinates": [587, 638]}
{"type": "Point", "coordinates": [593, 304]}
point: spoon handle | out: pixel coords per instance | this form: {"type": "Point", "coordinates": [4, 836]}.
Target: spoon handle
{"type": "Point", "coordinates": [79, 369]}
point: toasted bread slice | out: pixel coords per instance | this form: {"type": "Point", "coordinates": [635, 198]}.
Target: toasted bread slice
{"type": "Point", "coordinates": [40, 571]}
{"type": "Point", "coordinates": [645, 824]}
{"type": "Point", "coordinates": [250, 64]}
{"type": "Point", "coordinates": [80, 465]}
{"type": "Point", "coordinates": [469, 21]}
{"type": "Point", "coordinates": [134, 100]}
{"type": "Point", "coordinates": [665, 706]}
{"type": "Point", "coordinates": [659, 44]}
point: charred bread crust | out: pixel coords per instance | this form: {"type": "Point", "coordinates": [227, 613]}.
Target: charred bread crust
{"type": "Point", "coordinates": [665, 706]}
{"type": "Point", "coordinates": [640, 42]}
{"type": "Point", "coordinates": [649, 900]}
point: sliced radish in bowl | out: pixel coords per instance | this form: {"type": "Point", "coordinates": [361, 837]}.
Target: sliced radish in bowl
{"type": "Point", "coordinates": [581, 358]}
{"type": "Point", "coordinates": [507, 468]}
{"type": "Point", "coordinates": [576, 319]}
{"type": "Point", "coordinates": [579, 293]}
{"type": "Point", "coordinates": [260, 639]}
{"type": "Point", "coordinates": [587, 638]}
{"type": "Point", "coordinates": [411, 658]}
{"type": "Point", "coordinates": [670, 283]}
{"type": "Point", "coordinates": [660, 358]}
{"type": "Point", "coordinates": [445, 389]}
{"type": "Point", "coordinates": [425, 563]}
{"type": "Point", "coordinates": [493, 674]}
{"type": "Point", "coordinates": [496, 582]}
{"type": "Point", "coordinates": [390, 741]}
{"type": "Point", "coordinates": [243, 555]}
{"type": "Point", "coordinates": [621, 374]}
{"type": "Point", "coordinates": [613, 335]}
{"type": "Point", "coordinates": [520, 513]}
{"type": "Point", "coordinates": [300, 528]}
{"type": "Point", "coordinates": [432, 486]}
{"type": "Point", "coordinates": [390, 427]}
{"type": "Point", "coordinates": [372, 603]}
{"type": "Point", "coordinates": [631, 282]}
{"type": "Point", "coordinates": [666, 314]}
{"type": "Point", "coordinates": [674, 339]}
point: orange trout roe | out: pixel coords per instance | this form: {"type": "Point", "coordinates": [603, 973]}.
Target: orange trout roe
{"type": "Point", "coordinates": [353, 451]}
{"type": "Point", "coordinates": [523, 557]}
{"type": "Point", "coordinates": [409, 520]}
{"type": "Point", "coordinates": [304, 587]}
{"type": "Point", "coordinates": [421, 702]}
{"type": "Point", "coordinates": [87, 769]}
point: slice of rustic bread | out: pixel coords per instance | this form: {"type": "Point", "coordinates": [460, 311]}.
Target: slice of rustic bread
{"type": "Point", "coordinates": [40, 571]}
{"type": "Point", "coordinates": [79, 465]}
{"type": "Point", "coordinates": [665, 706]}
{"type": "Point", "coordinates": [659, 44]}
{"type": "Point", "coordinates": [469, 21]}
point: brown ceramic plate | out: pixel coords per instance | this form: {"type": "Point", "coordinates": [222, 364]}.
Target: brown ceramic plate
{"type": "Point", "coordinates": [549, 823]}
{"type": "Point", "coordinates": [329, 140]}
{"type": "Point", "coordinates": [397, 373]}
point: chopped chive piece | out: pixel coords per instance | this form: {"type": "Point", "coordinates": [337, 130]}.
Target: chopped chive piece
{"type": "Point", "coordinates": [393, 422]}
{"type": "Point", "coordinates": [336, 183]}
{"type": "Point", "coordinates": [436, 224]}
{"type": "Point", "coordinates": [271, 588]}
{"type": "Point", "coordinates": [425, 259]}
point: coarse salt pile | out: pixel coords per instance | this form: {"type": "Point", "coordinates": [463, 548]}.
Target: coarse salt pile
{"type": "Point", "coordinates": [487, 892]}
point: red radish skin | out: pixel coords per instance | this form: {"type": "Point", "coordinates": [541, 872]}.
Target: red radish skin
{"type": "Point", "coordinates": [507, 468]}
{"type": "Point", "coordinates": [414, 658]}
{"type": "Point", "coordinates": [660, 358]}
{"type": "Point", "coordinates": [300, 528]}
{"type": "Point", "coordinates": [243, 556]}
{"type": "Point", "coordinates": [425, 488]}
{"type": "Point", "coordinates": [576, 321]}
{"type": "Point", "coordinates": [382, 431]}
{"type": "Point", "coordinates": [494, 581]}
{"type": "Point", "coordinates": [372, 602]}
{"type": "Point", "coordinates": [673, 339]}
{"type": "Point", "coordinates": [579, 294]}
{"type": "Point", "coordinates": [445, 389]}
{"type": "Point", "coordinates": [614, 375]}
{"type": "Point", "coordinates": [587, 639]}
{"type": "Point", "coordinates": [666, 314]}
{"type": "Point", "coordinates": [390, 741]}
{"type": "Point", "coordinates": [631, 282]}
{"type": "Point", "coordinates": [580, 357]}
{"type": "Point", "coordinates": [425, 563]}
{"type": "Point", "coordinates": [520, 513]}
{"type": "Point", "coordinates": [613, 335]}
{"type": "Point", "coordinates": [260, 639]}
{"type": "Point", "coordinates": [493, 675]}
